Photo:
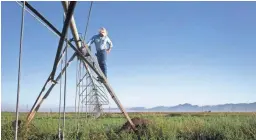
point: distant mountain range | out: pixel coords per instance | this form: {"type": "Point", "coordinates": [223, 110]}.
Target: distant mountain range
{"type": "Point", "coordinates": [241, 107]}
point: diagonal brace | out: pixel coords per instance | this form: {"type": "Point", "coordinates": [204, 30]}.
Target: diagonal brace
{"type": "Point", "coordinates": [63, 35]}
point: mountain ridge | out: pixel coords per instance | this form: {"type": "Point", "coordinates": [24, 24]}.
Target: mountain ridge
{"type": "Point", "coordinates": [186, 107]}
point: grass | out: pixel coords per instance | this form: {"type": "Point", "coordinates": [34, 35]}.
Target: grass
{"type": "Point", "coordinates": [165, 126]}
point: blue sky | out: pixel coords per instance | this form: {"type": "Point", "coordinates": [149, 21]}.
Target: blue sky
{"type": "Point", "coordinates": [165, 53]}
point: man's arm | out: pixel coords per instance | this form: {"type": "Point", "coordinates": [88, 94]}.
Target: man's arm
{"type": "Point", "coordinates": [89, 43]}
{"type": "Point", "coordinates": [110, 45]}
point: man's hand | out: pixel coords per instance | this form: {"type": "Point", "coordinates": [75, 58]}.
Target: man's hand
{"type": "Point", "coordinates": [108, 51]}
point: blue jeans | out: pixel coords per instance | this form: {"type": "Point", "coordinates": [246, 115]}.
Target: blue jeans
{"type": "Point", "coordinates": [102, 58]}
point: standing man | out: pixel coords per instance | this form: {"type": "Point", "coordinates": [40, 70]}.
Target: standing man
{"type": "Point", "coordinates": [103, 46]}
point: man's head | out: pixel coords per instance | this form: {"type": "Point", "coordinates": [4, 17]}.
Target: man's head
{"type": "Point", "coordinates": [103, 31]}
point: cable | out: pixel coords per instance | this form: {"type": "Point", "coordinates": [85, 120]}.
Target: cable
{"type": "Point", "coordinates": [82, 82]}
{"type": "Point", "coordinates": [79, 90]}
{"type": "Point", "coordinates": [18, 86]}
{"type": "Point", "coordinates": [59, 130]}
{"type": "Point", "coordinates": [65, 91]}
{"type": "Point", "coordinates": [76, 94]}
{"type": "Point", "coordinates": [65, 81]}
{"type": "Point", "coordinates": [88, 18]}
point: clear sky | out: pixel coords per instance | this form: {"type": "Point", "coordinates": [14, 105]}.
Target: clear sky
{"type": "Point", "coordinates": [164, 54]}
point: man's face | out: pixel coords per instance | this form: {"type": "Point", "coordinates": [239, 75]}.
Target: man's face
{"type": "Point", "coordinates": [102, 33]}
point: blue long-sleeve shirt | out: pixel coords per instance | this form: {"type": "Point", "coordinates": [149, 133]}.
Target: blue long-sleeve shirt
{"type": "Point", "coordinates": [100, 42]}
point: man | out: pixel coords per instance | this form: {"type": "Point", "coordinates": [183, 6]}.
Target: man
{"type": "Point", "coordinates": [103, 46]}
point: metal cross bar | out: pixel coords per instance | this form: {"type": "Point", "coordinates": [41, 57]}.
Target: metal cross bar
{"type": "Point", "coordinates": [42, 18]}
{"type": "Point", "coordinates": [63, 35]}
{"type": "Point", "coordinates": [40, 98]}
{"type": "Point", "coordinates": [80, 80]}
{"type": "Point", "coordinates": [45, 21]}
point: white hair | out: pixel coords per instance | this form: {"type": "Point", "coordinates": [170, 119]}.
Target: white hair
{"type": "Point", "coordinates": [103, 29]}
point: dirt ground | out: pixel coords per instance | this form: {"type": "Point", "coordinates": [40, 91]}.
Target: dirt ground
{"type": "Point", "coordinates": [139, 123]}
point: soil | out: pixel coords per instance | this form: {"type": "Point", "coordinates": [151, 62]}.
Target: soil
{"type": "Point", "coordinates": [140, 124]}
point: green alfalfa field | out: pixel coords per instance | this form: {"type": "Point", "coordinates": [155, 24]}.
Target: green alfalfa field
{"type": "Point", "coordinates": [161, 126]}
